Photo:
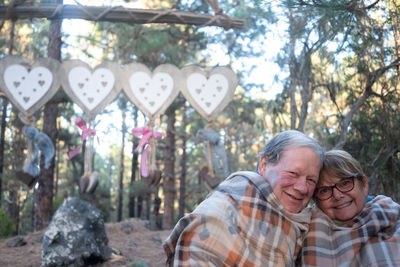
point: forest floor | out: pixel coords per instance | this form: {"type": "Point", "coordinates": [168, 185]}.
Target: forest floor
{"type": "Point", "coordinates": [141, 244]}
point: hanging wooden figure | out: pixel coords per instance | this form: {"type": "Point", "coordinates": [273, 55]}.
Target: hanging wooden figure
{"type": "Point", "coordinates": [38, 144]}
{"type": "Point", "coordinates": [89, 180]}
{"type": "Point", "coordinates": [152, 92]}
{"type": "Point", "coordinates": [209, 91]}
{"type": "Point", "coordinates": [92, 91]}
{"type": "Point", "coordinates": [29, 86]}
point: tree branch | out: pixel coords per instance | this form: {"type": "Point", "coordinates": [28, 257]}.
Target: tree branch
{"type": "Point", "coordinates": [372, 77]}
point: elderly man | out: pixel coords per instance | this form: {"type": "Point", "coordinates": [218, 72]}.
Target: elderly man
{"type": "Point", "coordinates": [253, 219]}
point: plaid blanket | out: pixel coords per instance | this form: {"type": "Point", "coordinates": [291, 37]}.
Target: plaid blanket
{"type": "Point", "coordinates": [371, 239]}
{"type": "Point", "coordinates": [241, 223]}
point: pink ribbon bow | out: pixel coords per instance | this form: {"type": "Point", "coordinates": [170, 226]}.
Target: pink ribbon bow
{"type": "Point", "coordinates": [86, 132]}
{"type": "Point", "coordinates": [146, 134]}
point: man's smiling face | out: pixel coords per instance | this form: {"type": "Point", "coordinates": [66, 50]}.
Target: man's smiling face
{"type": "Point", "coordinates": [294, 177]}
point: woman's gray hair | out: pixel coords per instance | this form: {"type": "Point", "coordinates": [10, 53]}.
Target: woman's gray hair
{"type": "Point", "coordinates": [341, 164]}
{"type": "Point", "coordinates": [287, 140]}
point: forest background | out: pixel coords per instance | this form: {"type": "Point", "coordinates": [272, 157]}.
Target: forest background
{"type": "Point", "coordinates": [338, 81]}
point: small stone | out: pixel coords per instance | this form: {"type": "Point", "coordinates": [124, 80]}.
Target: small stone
{"type": "Point", "coordinates": [131, 243]}
{"type": "Point", "coordinates": [127, 227]}
{"type": "Point", "coordinates": [156, 238]}
{"type": "Point", "coordinates": [16, 242]}
{"type": "Point", "coordinates": [138, 263]}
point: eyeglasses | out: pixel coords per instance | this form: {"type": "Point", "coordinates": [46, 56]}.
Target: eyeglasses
{"type": "Point", "coordinates": [326, 192]}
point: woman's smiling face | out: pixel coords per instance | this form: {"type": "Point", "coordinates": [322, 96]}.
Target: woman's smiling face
{"type": "Point", "coordinates": [343, 206]}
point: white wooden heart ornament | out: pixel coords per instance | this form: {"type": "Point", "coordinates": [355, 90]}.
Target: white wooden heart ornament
{"type": "Point", "coordinates": [91, 90]}
{"type": "Point", "coordinates": [151, 92]}
{"type": "Point", "coordinates": [29, 86]}
{"type": "Point", "coordinates": [208, 91]}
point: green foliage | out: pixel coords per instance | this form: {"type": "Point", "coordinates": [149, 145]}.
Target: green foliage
{"type": "Point", "coordinates": [58, 201]}
{"type": "Point", "coordinates": [7, 225]}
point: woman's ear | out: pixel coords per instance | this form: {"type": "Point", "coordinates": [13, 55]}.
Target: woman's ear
{"type": "Point", "coordinates": [262, 166]}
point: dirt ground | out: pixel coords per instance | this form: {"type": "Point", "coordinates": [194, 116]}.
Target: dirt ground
{"type": "Point", "coordinates": [141, 244]}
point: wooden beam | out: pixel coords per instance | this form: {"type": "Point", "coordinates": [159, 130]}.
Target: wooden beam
{"type": "Point", "coordinates": [116, 14]}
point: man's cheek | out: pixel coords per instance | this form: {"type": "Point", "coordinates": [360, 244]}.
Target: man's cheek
{"type": "Point", "coordinates": [286, 181]}
{"type": "Point", "coordinates": [272, 176]}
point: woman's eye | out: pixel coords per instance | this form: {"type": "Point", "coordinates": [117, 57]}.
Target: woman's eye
{"type": "Point", "coordinates": [345, 183]}
{"type": "Point", "coordinates": [323, 190]}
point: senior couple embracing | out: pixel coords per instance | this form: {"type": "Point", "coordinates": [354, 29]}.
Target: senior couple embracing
{"type": "Point", "coordinates": [264, 218]}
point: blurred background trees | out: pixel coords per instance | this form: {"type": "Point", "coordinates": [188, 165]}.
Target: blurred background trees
{"type": "Point", "coordinates": [336, 78]}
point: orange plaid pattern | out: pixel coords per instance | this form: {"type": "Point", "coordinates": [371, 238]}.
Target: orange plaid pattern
{"type": "Point", "coordinates": [241, 223]}
{"type": "Point", "coordinates": [372, 239]}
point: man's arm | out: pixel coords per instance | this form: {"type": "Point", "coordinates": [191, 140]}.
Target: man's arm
{"type": "Point", "coordinates": [206, 237]}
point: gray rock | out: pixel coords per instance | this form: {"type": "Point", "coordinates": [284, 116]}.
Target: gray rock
{"type": "Point", "coordinates": [16, 242]}
{"type": "Point", "coordinates": [130, 243]}
{"type": "Point", "coordinates": [156, 238]}
{"type": "Point", "coordinates": [138, 263]}
{"type": "Point", "coordinates": [127, 227]}
{"type": "Point", "coordinates": [75, 236]}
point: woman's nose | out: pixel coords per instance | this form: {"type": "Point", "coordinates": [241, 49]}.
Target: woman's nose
{"type": "Point", "coordinates": [336, 193]}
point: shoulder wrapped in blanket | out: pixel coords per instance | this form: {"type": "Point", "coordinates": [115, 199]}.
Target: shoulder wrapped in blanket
{"type": "Point", "coordinates": [372, 239]}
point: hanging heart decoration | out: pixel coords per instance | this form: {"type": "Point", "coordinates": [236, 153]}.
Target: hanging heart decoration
{"type": "Point", "coordinates": [151, 92]}
{"type": "Point", "coordinates": [208, 91]}
{"type": "Point", "coordinates": [29, 86]}
{"type": "Point", "coordinates": [91, 90]}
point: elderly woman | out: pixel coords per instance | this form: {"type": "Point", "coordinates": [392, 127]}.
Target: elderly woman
{"type": "Point", "coordinates": [346, 230]}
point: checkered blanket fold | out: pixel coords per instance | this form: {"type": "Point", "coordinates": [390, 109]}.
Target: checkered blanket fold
{"type": "Point", "coordinates": [372, 238]}
{"type": "Point", "coordinates": [241, 223]}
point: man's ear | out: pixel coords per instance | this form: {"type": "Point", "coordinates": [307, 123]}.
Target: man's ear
{"type": "Point", "coordinates": [262, 166]}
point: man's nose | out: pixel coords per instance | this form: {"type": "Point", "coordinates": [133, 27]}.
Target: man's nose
{"type": "Point", "coordinates": [301, 185]}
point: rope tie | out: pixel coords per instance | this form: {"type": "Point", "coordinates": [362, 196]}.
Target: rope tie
{"type": "Point", "coordinates": [84, 10]}
{"type": "Point", "coordinates": [219, 12]}
{"type": "Point", "coordinates": [57, 11]}
{"type": "Point", "coordinates": [26, 119]}
{"type": "Point", "coordinates": [105, 12]}
{"type": "Point", "coordinates": [147, 143]}
{"type": "Point", "coordinates": [209, 150]}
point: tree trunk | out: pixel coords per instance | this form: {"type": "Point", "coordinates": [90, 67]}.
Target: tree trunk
{"type": "Point", "coordinates": [148, 204]}
{"type": "Point", "coordinates": [169, 180]}
{"type": "Point", "coordinates": [122, 162]}
{"type": "Point", "coordinates": [50, 114]}
{"type": "Point", "coordinates": [293, 72]}
{"type": "Point", "coordinates": [18, 145]}
{"type": "Point", "coordinates": [57, 155]}
{"type": "Point", "coordinates": [139, 206]}
{"type": "Point", "coordinates": [135, 142]}
{"type": "Point", "coordinates": [306, 92]}
{"type": "Point", "coordinates": [4, 115]}
{"type": "Point", "coordinates": [182, 183]}
{"type": "Point", "coordinates": [46, 177]}
{"type": "Point", "coordinates": [13, 207]}
{"type": "Point", "coordinates": [2, 140]}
